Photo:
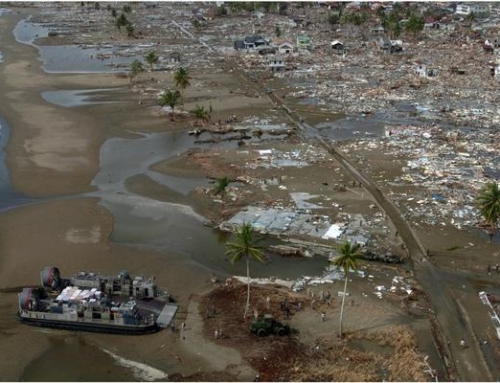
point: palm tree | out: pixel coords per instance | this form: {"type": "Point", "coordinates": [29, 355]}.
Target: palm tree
{"type": "Point", "coordinates": [277, 31]}
{"type": "Point", "coordinates": [246, 246]}
{"type": "Point", "coordinates": [121, 21]}
{"type": "Point", "coordinates": [488, 203]}
{"type": "Point", "coordinates": [415, 25]}
{"type": "Point", "coordinates": [347, 259]}
{"type": "Point", "coordinates": [200, 113]}
{"type": "Point", "coordinates": [135, 69]}
{"type": "Point", "coordinates": [170, 98]}
{"type": "Point", "coordinates": [182, 78]}
{"type": "Point", "coordinates": [196, 25]}
{"type": "Point", "coordinates": [221, 185]}
{"type": "Point", "coordinates": [470, 18]}
{"type": "Point", "coordinates": [130, 30]}
{"type": "Point", "coordinates": [151, 58]}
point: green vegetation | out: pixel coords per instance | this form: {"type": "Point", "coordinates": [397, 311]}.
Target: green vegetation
{"type": "Point", "coordinates": [277, 31]}
{"type": "Point", "coordinates": [135, 69]}
{"type": "Point", "coordinates": [348, 259]}
{"type": "Point", "coordinates": [245, 246]}
{"type": "Point", "coordinates": [170, 98]}
{"type": "Point", "coordinates": [151, 58]}
{"type": "Point", "coordinates": [220, 186]}
{"type": "Point", "coordinates": [415, 25]}
{"type": "Point", "coordinates": [221, 11]}
{"type": "Point", "coordinates": [182, 78]}
{"type": "Point", "coordinates": [201, 114]}
{"type": "Point", "coordinates": [357, 19]}
{"type": "Point", "coordinates": [488, 203]}
{"type": "Point", "coordinates": [334, 18]}
{"type": "Point", "coordinates": [121, 21]}
{"type": "Point", "coordinates": [130, 30]}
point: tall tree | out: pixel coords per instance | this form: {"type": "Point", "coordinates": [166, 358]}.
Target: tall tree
{"type": "Point", "coordinates": [415, 25]}
{"type": "Point", "coordinates": [170, 98]}
{"type": "Point", "coordinates": [127, 9]}
{"type": "Point", "coordinates": [349, 255]}
{"type": "Point", "coordinates": [488, 203]}
{"type": "Point", "coordinates": [135, 69]}
{"type": "Point", "coordinates": [151, 58]}
{"type": "Point", "coordinates": [277, 31]}
{"type": "Point", "coordinates": [245, 246]}
{"type": "Point", "coordinates": [121, 21]}
{"type": "Point", "coordinates": [182, 78]}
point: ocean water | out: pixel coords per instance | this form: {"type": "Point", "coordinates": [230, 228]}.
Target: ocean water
{"type": "Point", "coordinates": [9, 198]}
{"type": "Point", "coordinates": [2, 12]}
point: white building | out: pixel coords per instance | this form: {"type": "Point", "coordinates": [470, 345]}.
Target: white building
{"type": "Point", "coordinates": [465, 9]}
{"type": "Point", "coordinates": [285, 48]}
{"type": "Point", "coordinates": [276, 63]}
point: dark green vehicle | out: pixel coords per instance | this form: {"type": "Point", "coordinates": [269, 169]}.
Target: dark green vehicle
{"type": "Point", "coordinates": [267, 325]}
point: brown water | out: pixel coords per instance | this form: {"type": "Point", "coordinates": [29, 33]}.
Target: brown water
{"type": "Point", "coordinates": [70, 359]}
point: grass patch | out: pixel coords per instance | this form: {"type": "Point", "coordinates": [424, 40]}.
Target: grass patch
{"type": "Point", "coordinates": [456, 247]}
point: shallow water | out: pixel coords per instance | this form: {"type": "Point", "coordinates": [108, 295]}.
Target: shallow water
{"type": "Point", "coordinates": [73, 98]}
{"type": "Point", "coordinates": [75, 59]}
{"type": "Point", "coordinates": [173, 227]}
{"type": "Point", "coordinates": [70, 58]}
{"type": "Point", "coordinates": [98, 366]}
{"type": "Point", "coordinates": [9, 198]}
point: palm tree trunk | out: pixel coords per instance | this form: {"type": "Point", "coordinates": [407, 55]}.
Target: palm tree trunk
{"type": "Point", "coordinates": [248, 288]}
{"type": "Point", "coordinates": [343, 301]}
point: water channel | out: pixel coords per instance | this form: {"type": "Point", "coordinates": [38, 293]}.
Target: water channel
{"type": "Point", "coordinates": [139, 220]}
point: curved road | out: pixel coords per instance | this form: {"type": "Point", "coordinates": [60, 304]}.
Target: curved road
{"type": "Point", "coordinates": [452, 321]}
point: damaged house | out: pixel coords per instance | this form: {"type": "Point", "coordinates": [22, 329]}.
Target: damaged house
{"type": "Point", "coordinates": [250, 42]}
{"type": "Point", "coordinates": [276, 63]}
{"type": "Point", "coordinates": [304, 42]}
{"type": "Point", "coordinates": [337, 46]}
{"type": "Point", "coordinates": [423, 70]}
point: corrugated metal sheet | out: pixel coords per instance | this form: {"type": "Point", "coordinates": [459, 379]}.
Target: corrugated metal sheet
{"type": "Point", "coordinates": [166, 315]}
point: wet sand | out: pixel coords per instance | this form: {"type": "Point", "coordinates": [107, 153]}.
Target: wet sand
{"type": "Point", "coordinates": [54, 151]}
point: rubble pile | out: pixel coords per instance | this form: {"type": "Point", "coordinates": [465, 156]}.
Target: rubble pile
{"type": "Point", "coordinates": [447, 167]}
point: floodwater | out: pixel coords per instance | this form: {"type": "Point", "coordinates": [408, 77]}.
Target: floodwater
{"type": "Point", "coordinates": [143, 221]}
{"type": "Point", "coordinates": [72, 58]}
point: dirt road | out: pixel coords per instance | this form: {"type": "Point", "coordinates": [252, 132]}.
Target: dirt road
{"type": "Point", "coordinates": [468, 363]}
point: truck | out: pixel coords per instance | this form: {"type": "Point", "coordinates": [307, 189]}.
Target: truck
{"type": "Point", "coordinates": [267, 325]}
